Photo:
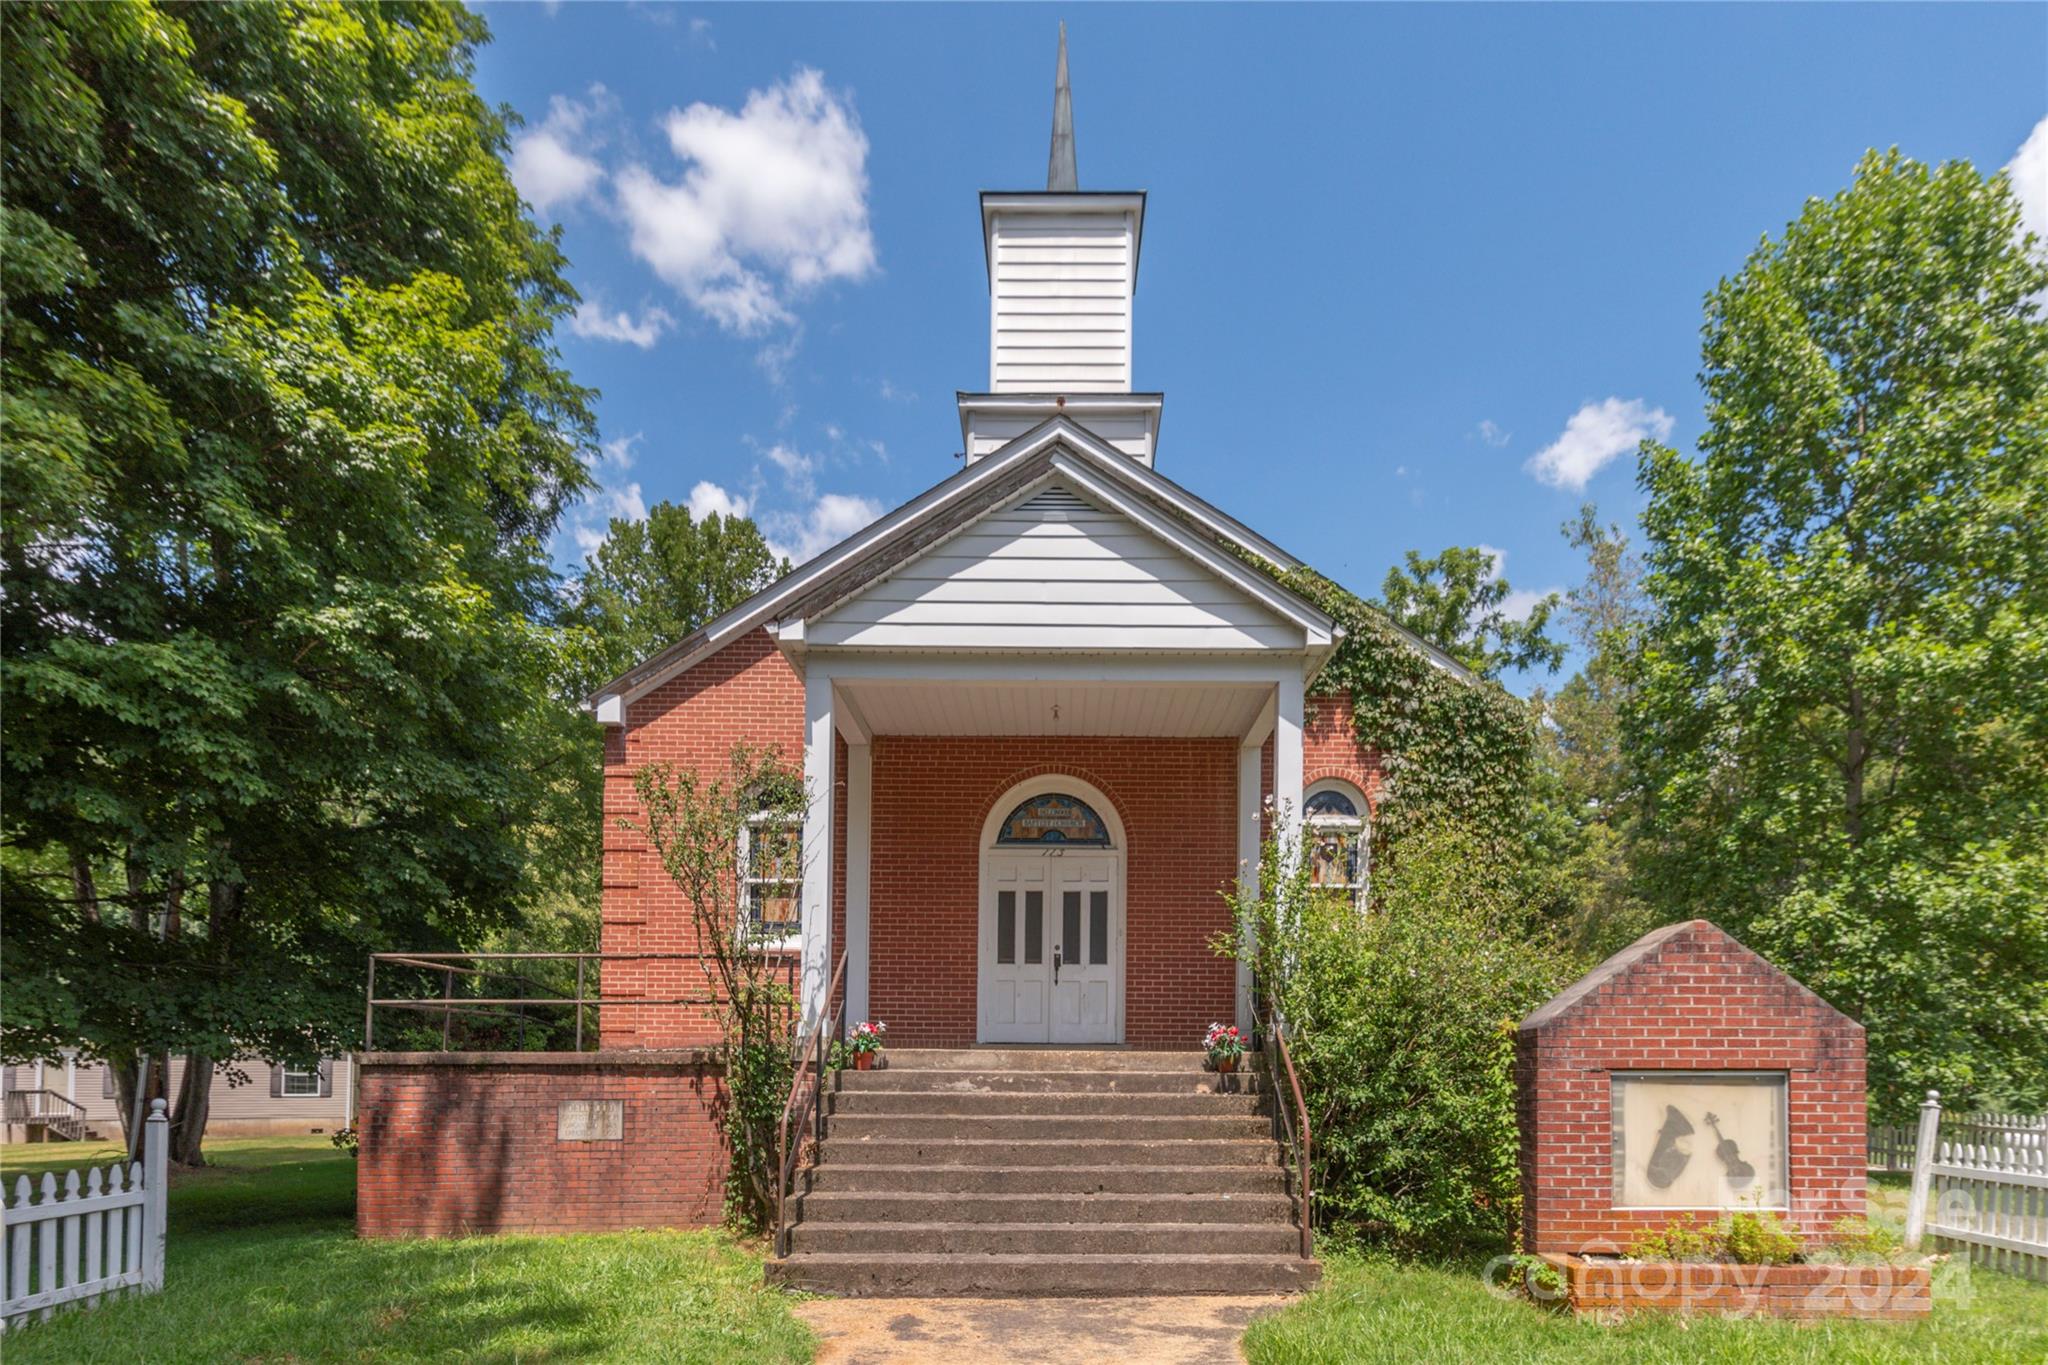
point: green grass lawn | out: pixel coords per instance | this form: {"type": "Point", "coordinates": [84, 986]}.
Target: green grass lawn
{"type": "Point", "coordinates": [264, 1265]}
{"type": "Point", "coordinates": [1383, 1310]}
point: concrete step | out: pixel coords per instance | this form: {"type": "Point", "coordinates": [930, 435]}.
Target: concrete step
{"type": "Point", "coordinates": [897, 1208]}
{"type": "Point", "coordinates": [1025, 1128]}
{"type": "Point", "coordinates": [1118, 1103]}
{"type": "Point", "coordinates": [926, 1177]}
{"type": "Point", "coordinates": [1039, 1059]}
{"type": "Point", "coordinates": [967, 1080]}
{"type": "Point", "coordinates": [1046, 1152]}
{"type": "Point", "coordinates": [1048, 1239]}
{"type": "Point", "coordinates": [929, 1273]}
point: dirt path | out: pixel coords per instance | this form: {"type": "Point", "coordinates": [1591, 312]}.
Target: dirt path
{"type": "Point", "coordinates": [1190, 1330]}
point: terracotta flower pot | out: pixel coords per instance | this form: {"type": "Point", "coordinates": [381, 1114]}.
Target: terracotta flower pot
{"type": "Point", "coordinates": [1226, 1065]}
{"type": "Point", "coordinates": [863, 1061]}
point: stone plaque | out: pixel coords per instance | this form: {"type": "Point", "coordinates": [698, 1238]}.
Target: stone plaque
{"type": "Point", "coordinates": [1699, 1140]}
{"type": "Point", "coordinates": [590, 1121]}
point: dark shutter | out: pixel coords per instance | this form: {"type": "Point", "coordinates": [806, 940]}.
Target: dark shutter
{"type": "Point", "coordinates": [326, 1079]}
{"type": "Point", "coordinates": [276, 1082]}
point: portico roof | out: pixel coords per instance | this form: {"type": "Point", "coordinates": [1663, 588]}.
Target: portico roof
{"type": "Point", "coordinates": [1056, 447]}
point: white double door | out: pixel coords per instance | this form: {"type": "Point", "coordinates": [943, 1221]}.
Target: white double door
{"type": "Point", "coordinates": [1052, 947]}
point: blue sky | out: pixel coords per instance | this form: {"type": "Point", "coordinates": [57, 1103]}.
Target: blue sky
{"type": "Point", "coordinates": [1413, 276]}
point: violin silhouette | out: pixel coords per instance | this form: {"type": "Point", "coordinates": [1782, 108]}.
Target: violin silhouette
{"type": "Point", "coordinates": [1740, 1172]}
{"type": "Point", "coordinates": [1667, 1159]}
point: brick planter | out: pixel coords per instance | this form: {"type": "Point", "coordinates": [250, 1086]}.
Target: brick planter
{"type": "Point", "coordinates": [1602, 1286]}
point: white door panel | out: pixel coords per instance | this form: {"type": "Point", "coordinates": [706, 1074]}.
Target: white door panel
{"type": "Point", "coordinates": [1038, 906]}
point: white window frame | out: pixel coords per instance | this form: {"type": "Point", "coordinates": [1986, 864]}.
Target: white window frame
{"type": "Point", "coordinates": [287, 1075]}
{"type": "Point", "coordinates": [1358, 826]}
{"type": "Point", "coordinates": [746, 921]}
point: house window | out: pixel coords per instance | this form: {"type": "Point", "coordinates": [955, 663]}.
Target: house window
{"type": "Point", "coordinates": [772, 878]}
{"type": "Point", "coordinates": [1334, 814]}
{"type": "Point", "coordinates": [300, 1083]}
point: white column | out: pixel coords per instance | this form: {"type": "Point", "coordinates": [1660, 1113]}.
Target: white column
{"type": "Point", "coordinates": [817, 850]}
{"type": "Point", "coordinates": [860, 782]}
{"type": "Point", "coordinates": [1287, 760]}
{"type": "Point", "coordinates": [1249, 781]}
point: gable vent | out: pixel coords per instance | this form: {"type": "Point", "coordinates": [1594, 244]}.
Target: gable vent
{"type": "Point", "coordinates": [1053, 504]}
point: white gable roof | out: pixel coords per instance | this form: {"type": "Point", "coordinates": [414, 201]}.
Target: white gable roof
{"type": "Point", "coordinates": [1054, 568]}
{"type": "Point", "coordinates": [1056, 450]}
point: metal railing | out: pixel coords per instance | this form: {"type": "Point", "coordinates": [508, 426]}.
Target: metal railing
{"type": "Point", "coordinates": [1294, 1128]}
{"type": "Point", "coordinates": [812, 1055]}
{"type": "Point", "coordinates": [46, 1109]}
{"type": "Point", "coordinates": [488, 973]}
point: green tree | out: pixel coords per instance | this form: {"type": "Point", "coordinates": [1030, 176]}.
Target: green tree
{"type": "Point", "coordinates": [1458, 602]}
{"type": "Point", "coordinates": [284, 436]}
{"type": "Point", "coordinates": [1586, 797]}
{"type": "Point", "coordinates": [650, 583]}
{"type": "Point", "coordinates": [1841, 710]}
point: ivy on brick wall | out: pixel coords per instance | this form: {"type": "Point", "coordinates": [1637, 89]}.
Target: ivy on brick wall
{"type": "Point", "coordinates": [1451, 748]}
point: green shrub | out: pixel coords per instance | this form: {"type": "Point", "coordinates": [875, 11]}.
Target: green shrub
{"type": "Point", "coordinates": [1400, 1019]}
{"type": "Point", "coordinates": [1759, 1239]}
{"type": "Point", "coordinates": [1858, 1241]}
{"type": "Point", "coordinates": [1746, 1238]}
{"type": "Point", "coordinates": [1679, 1241]}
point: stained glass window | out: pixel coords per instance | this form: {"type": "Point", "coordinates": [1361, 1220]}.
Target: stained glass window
{"type": "Point", "coordinates": [1054, 818]}
{"type": "Point", "coordinates": [1336, 833]}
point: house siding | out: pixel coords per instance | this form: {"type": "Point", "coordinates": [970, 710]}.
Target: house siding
{"type": "Point", "coordinates": [244, 1109]}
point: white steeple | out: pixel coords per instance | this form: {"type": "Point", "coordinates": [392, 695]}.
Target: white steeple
{"type": "Point", "coordinates": [1063, 274]}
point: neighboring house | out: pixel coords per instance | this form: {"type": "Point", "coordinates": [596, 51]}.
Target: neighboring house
{"type": "Point", "coordinates": [1042, 709]}
{"type": "Point", "coordinates": [250, 1098]}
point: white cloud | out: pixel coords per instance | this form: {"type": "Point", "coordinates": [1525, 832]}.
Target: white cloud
{"type": "Point", "coordinates": [700, 32]}
{"type": "Point", "coordinates": [624, 503]}
{"type": "Point", "coordinates": [707, 497]}
{"type": "Point", "coordinates": [797, 467]}
{"type": "Point", "coordinates": [1489, 431]}
{"type": "Point", "coordinates": [592, 322]}
{"type": "Point", "coordinates": [892, 394]}
{"type": "Point", "coordinates": [1595, 435]}
{"type": "Point", "coordinates": [829, 520]}
{"type": "Point", "coordinates": [1521, 601]}
{"type": "Point", "coordinates": [1499, 557]}
{"type": "Point", "coordinates": [618, 453]}
{"type": "Point", "coordinates": [551, 164]}
{"type": "Point", "coordinates": [2029, 171]}
{"type": "Point", "coordinates": [772, 203]}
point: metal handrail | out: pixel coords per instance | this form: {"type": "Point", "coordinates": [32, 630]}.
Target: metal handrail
{"type": "Point", "coordinates": [1303, 1152]}
{"type": "Point", "coordinates": [448, 1004]}
{"type": "Point", "coordinates": [45, 1111]}
{"type": "Point", "coordinates": [810, 1051]}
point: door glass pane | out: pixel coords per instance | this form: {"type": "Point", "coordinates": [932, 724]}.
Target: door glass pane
{"type": "Point", "coordinates": [1070, 926]}
{"type": "Point", "coordinates": [1006, 927]}
{"type": "Point", "coordinates": [1034, 926]}
{"type": "Point", "coordinates": [1098, 928]}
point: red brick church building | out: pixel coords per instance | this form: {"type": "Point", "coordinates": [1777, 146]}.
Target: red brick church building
{"type": "Point", "coordinates": [1041, 708]}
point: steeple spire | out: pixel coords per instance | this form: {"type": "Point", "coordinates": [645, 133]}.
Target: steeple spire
{"type": "Point", "coordinates": [1060, 177]}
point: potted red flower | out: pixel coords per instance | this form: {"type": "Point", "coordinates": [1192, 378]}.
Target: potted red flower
{"type": "Point", "coordinates": [865, 1043]}
{"type": "Point", "coordinates": [1224, 1046]}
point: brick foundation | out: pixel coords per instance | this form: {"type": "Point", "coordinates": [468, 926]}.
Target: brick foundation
{"type": "Point", "coordinates": [1602, 1287]}
{"type": "Point", "coordinates": [461, 1143]}
{"type": "Point", "coordinates": [1684, 998]}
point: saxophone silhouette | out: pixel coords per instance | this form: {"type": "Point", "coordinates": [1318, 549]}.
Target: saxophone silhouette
{"type": "Point", "coordinates": [1667, 1159]}
{"type": "Point", "coordinates": [1740, 1172]}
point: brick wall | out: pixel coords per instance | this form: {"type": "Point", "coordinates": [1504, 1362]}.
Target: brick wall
{"type": "Point", "coordinates": [747, 691]}
{"type": "Point", "coordinates": [457, 1143]}
{"type": "Point", "coordinates": [1330, 748]}
{"type": "Point", "coordinates": [1177, 799]}
{"type": "Point", "coordinates": [1684, 998]}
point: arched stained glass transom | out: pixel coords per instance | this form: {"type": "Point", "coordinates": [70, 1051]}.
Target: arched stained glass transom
{"type": "Point", "coordinates": [1054, 818]}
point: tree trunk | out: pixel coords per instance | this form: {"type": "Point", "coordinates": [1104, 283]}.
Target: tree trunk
{"type": "Point", "coordinates": [126, 1073]}
{"type": "Point", "coordinates": [188, 1122]}
{"type": "Point", "coordinates": [83, 888]}
{"type": "Point", "coordinates": [1854, 763]}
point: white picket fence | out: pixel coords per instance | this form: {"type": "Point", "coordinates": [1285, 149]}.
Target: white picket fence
{"type": "Point", "coordinates": [1989, 1188]}
{"type": "Point", "coordinates": [1891, 1146]}
{"type": "Point", "coordinates": [88, 1237]}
